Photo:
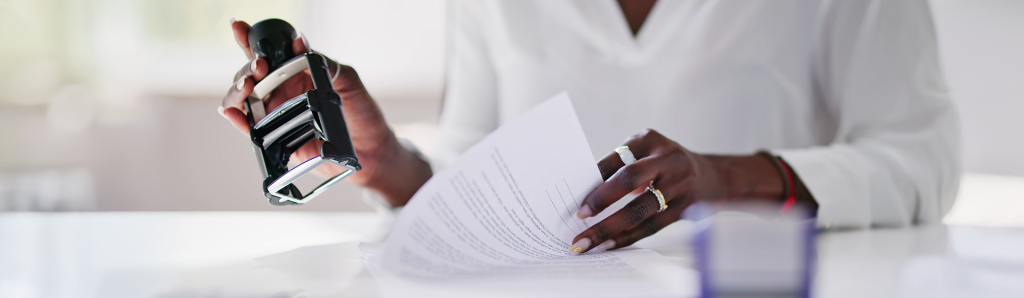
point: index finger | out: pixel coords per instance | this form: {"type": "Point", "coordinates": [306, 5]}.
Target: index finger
{"type": "Point", "coordinates": [241, 31]}
{"type": "Point", "coordinates": [627, 179]}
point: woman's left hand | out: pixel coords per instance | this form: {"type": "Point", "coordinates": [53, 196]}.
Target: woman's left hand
{"type": "Point", "coordinates": [682, 177]}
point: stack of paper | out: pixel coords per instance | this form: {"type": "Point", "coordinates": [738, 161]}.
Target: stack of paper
{"type": "Point", "coordinates": [499, 222]}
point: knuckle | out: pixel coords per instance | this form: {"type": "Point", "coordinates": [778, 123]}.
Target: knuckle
{"type": "Point", "coordinates": [678, 157]}
{"type": "Point", "coordinates": [646, 133]}
{"type": "Point", "coordinates": [650, 227]}
{"type": "Point", "coordinates": [677, 150]}
{"type": "Point", "coordinates": [596, 201]}
{"type": "Point", "coordinates": [628, 176]}
{"type": "Point", "coordinates": [636, 213]}
{"type": "Point", "coordinates": [651, 133]}
{"type": "Point", "coordinates": [601, 232]}
{"type": "Point", "coordinates": [639, 136]}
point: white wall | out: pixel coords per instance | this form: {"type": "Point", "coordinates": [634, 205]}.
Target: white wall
{"type": "Point", "coordinates": [169, 150]}
{"type": "Point", "coordinates": [982, 44]}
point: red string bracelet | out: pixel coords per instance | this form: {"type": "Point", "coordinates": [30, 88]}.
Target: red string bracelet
{"type": "Point", "coordinates": [791, 196]}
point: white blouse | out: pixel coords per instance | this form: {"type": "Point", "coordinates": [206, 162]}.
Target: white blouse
{"type": "Point", "coordinates": [849, 93]}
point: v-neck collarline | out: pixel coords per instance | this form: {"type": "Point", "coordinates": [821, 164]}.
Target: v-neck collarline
{"type": "Point", "coordinates": [650, 27]}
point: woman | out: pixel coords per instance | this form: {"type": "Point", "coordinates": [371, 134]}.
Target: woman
{"type": "Point", "coordinates": [848, 97]}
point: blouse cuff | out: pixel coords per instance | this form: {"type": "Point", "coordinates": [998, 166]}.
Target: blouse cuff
{"type": "Point", "coordinates": [835, 177]}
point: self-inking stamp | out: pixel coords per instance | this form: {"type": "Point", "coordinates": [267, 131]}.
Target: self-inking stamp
{"type": "Point", "coordinates": [315, 114]}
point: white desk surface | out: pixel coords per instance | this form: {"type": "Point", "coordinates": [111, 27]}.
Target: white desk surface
{"type": "Point", "coordinates": [225, 254]}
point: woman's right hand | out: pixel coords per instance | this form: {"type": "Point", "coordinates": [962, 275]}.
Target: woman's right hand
{"type": "Point", "coordinates": [387, 167]}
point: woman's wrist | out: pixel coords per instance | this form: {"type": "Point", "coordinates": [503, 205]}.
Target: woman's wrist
{"type": "Point", "coordinates": [758, 177]}
{"type": "Point", "coordinates": [749, 177]}
{"type": "Point", "coordinates": [399, 173]}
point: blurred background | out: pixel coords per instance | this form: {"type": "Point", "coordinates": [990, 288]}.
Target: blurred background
{"type": "Point", "coordinates": [109, 105]}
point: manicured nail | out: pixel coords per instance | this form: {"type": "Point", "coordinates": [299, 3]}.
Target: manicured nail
{"type": "Point", "coordinates": [220, 110]}
{"type": "Point", "coordinates": [252, 65]}
{"type": "Point", "coordinates": [606, 245]}
{"type": "Point", "coordinates": [305, 42]}
{"type": "Point", "coordinates": [233, 21]}
{"type": "Point", "coordinates": [579, 246]}
{"type": "Point", "coordinates": [241, 83]}
{"type": "Point", "coordinates": [584, 212]}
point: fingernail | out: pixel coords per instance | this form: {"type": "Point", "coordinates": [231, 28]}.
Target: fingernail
{"type": "Point", "coordinates": [305, 42]}
{"type": "Point", "coordinates": [579, 246]}
{"type": "Point", "coordinates": [241, 83]}
{"type": "Point", "coordinates": [584, 212]}
{"type": "Point", "coordinates": [606, 245]}
{"type": "Point", "coordinates": [233, 21]}
{"type": "Point", "coordinates": [220, 110]}
{"type": "Point", "coordinates": [252, 66]}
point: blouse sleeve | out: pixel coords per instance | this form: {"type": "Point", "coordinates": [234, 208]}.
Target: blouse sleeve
{"type": "Point", "coordinates": [895, 159]}
{"type": "Point", "coordinates": [470, 108]}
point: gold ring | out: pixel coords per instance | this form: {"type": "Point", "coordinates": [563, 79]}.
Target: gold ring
{"type": "Point", "coordinates": [661, 198]}
{"type": "Point", "coordinates": [625, 155]}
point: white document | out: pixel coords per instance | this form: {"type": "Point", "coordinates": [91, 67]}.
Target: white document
{"type": "Point", "coordinates": [500, 221]}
